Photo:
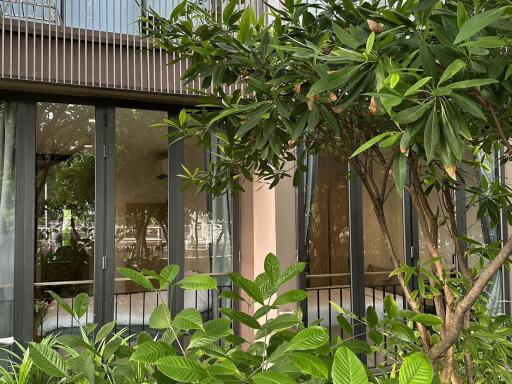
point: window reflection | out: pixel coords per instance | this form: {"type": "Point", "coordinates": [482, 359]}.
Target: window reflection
{"type": "Point", "coordinates": [65, 200]}
{"type": "Point", "coordinates": [7, 211]}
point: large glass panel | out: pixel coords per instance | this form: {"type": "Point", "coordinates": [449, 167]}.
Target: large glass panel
{"type": "Point", "coordinates": [208, 236]}
{"type": "Point", "coordinates": [377, 259]}
{"type": "Point", "coordinates": [328, 240]}
{"type": "Point", "coordinates": [7, 196]}
{"type": "Point", "coordinates": [65, 199]}
{"type": "Point", "coordinates": [141, 210]}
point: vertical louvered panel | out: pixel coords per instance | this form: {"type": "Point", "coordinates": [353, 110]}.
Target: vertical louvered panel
{"type": "Point", "coordinates": [84, 42]}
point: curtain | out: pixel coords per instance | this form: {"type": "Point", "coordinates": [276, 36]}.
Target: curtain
{"type": "Point", "coordinates": [7, 199]}
{"type": "Point", "coordinates": [494, 290]}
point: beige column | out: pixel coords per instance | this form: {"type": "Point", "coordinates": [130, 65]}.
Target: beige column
{"type": "Point", "coordinates": [268, 224]}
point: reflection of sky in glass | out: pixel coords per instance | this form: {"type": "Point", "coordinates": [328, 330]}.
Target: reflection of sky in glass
{"type": "Point", "coordinates": [120, 16]}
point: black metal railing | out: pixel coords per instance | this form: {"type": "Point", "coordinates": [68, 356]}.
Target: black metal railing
{"type": "Point", "coordinates": [132, 310]}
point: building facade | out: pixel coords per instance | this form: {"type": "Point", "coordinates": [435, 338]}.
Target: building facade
{"type": "Point", "coordinates": [89, 183]}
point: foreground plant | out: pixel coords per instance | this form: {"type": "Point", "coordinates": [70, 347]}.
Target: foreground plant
{"type": "Point", "coordinates": [182, 348]}
{"type": "Point", "coordinates": [413, 94]}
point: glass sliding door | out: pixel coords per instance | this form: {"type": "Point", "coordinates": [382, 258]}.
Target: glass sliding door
{"type": "Point", "coordinates": [328, 239]}
{"type": "Point", "coordinates": [7, 210]}
{"type": "Point", "coordinates": [65, 213]}
{"type": "Point", "coordinates": [208, 237]}
{"type": "Point", "coordinates": [141, 201]}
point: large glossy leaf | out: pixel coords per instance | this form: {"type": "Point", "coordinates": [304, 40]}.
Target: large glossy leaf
{"type": "Point", "coordinates": [136, 277]}
{"type": "Point", "coordinates": [182, 369]}
{"type": "Point", "coordinates": [270, 377]}
{"type": "Point", "coordinates": [347, 368]}
{"type": "Point", "coordinates": [416, 369]}
{"type": "Point", "coordinates": [370, 143]}
{"type": "Point", "coordinates": [345, 37]}
{"type": "Point", "coordinates": [291, 272]}
{"type": "Point", "coordinates": [272, 267]}
{"type": "Point", "coordinates": [62, 304]}
{"type": "Point", "coordinates": [213, 331]}
{"type": "Point", "coordinates": [247, 286]}
{"type": "Point", "coordinates": [478, 22]}
{"type": "Point", "coordinates": [400, 172]}
{"type": "Point", "coordinates": [310, 364]}
{"type": "Point", "coordinates": [168, 274]}
{"type": "Point", "coordinates": [47, 360]}
{"type": "Point", "coordinates": [308, 338]}
{"type": "Point", "coordinates": [248, 18]}
{"type": "Point", "coordinates": [431, 135]}
{"type": "Point", "coordinates": [333, 80]}
{"type": "Point", "coordinates": [241, 317]}
{"type": "Point", "coordinates": [416, 87]}
{"type": "Point", "coordinates": [451, 70]}
{"type": "Point", "coordinates": [468, 105]}
{"type": "Point", "coordinates": [83, 364]}
{"type": "Point", "coordinates": [427, 60]}
{"type": "Point", "coordinates": [189, 318]}
{"type": "Point", "coordinates": [471, 83]}
{"type": "Point", "coordinates": [80, 304]}
{"type": "Point", "coordinates": [197, 282]}
{"type": "Point", "coordinates": [292, 296]}
{"type": "Point", "coordinates": [390, 306]}
{"type": "Point", "coordinates": [410, 115]}
{"type": "Point", "coordinates": [283, 321]}
{"type": "Point", "coordinates": [104, 331]}
{"type": "Point", "coordinates": [150, 351]}
{"type": "Point", "coordinates": [427, 319]}
{"type": "Point", "coordinates": [161, 317]}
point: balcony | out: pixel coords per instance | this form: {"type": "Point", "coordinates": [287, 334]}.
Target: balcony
{"type": "Point", "coordinates": [87, 43]}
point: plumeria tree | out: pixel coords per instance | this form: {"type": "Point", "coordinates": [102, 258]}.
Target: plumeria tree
{"type": "Point", "coordinates": [417, 89]}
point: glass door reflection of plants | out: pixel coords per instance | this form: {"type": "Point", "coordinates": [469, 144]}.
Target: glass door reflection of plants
{"type": "Point", "coordinates": [65, 197]}
{"type": "Point", "coordinates": [141, 210]}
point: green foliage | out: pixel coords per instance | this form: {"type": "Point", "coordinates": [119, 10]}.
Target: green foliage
{"type": "Point", "coordinates": [186, 349]}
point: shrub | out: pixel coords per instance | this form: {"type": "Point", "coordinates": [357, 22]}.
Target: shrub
{"type": "Point", "coordinates": [182, 348]}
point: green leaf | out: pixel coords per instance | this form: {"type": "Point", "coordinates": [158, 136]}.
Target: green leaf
{"type": "Point", "coordinates": [248, 18]}
{"type": "Point", "coordinates": [47, 360]}
{"type": "Point", "coordinates": [427, 60]}
{"type": "Point", "coordinates": [80, 304]}
{"type": "Point", "coordinates": [178, 10]}
{"type": "Point", "coordinates": [370, 143]}
{"type": "Point", "coordinates": [228, 10]}
{"type": "Point", "coordinates": [371, 317]}
{"type": "Point", "coordinates": [247, 286]}
{"type": "Point", "coordinates": [241, 317]}
{"type": "Point", "coordinates": [310, 364]}
{"type": "Point", "coordinates": [395, 78]}
{"type": "Point", "coordinates": [478, 22]}
{"type": "Point", "coordinates": [369, 43]}
{"type": "Point", "coordinates": [292, 296]}
{"type": "Point", "coordinates": [390, 306]}
{"type": "Point", "coordinates": [431, 135]}
{"type": "Point", "coordinates": [468, 105]}
{"type": "Point", "coordinates": [189, 318]}
{"type": "Point", "coordinates": [309, 338]}
{"type": "Point", "coordinates": [347, 368]}
{"type": "Point", "coordinates": [83, 364]}
{"type": "Point", "coordinates": [292, 271]}
{"type": "Point", "coordinates": [150, 351]}
{"type": "Point", "coordinates": [400, 172]}
{"type": "Point", "coordinates": [416, 369]}
{"type": "Point", "coordinates": [283, 321]}
{"type": "Point", "coordinates": [182, 118]}
{"type": "Point", "coordinates": [427, 319]}
{"type": "Point", "coordinates": [409, 136]}
{"type": "Point", "coordinates": [451, 70]}
{"type": "Point", "coordinates": [410, 115]}
{"type": "Point", "coordinates": [161, 317]}
{"type": "Point", "coordinates": [344, 37]}
{"type": "Point", "coordinates": [416, 87]}
{"type": "Point", "coordinates": [270, 377]}
{"type": "Point", "coordinates": [104, 331]}
{"type": "Point", "coordinates": [197, 282]}
{"type": "Point", "coordinates": [62, 304]}
{"type": "Point", "coordinates": [471, 83]}
{"type": "Point", "coordinates": [182, 369]}
{"type": "Point", "coordinates": [168, 274]}
{"type": "Point", "coordinates": [136, 277]}
{"type": "Point", "coordinates": [272, 267]}
{"type": "Point", "coordinates": [333, 80]}
{"type": "Point", "coordinates": [213, 331]}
